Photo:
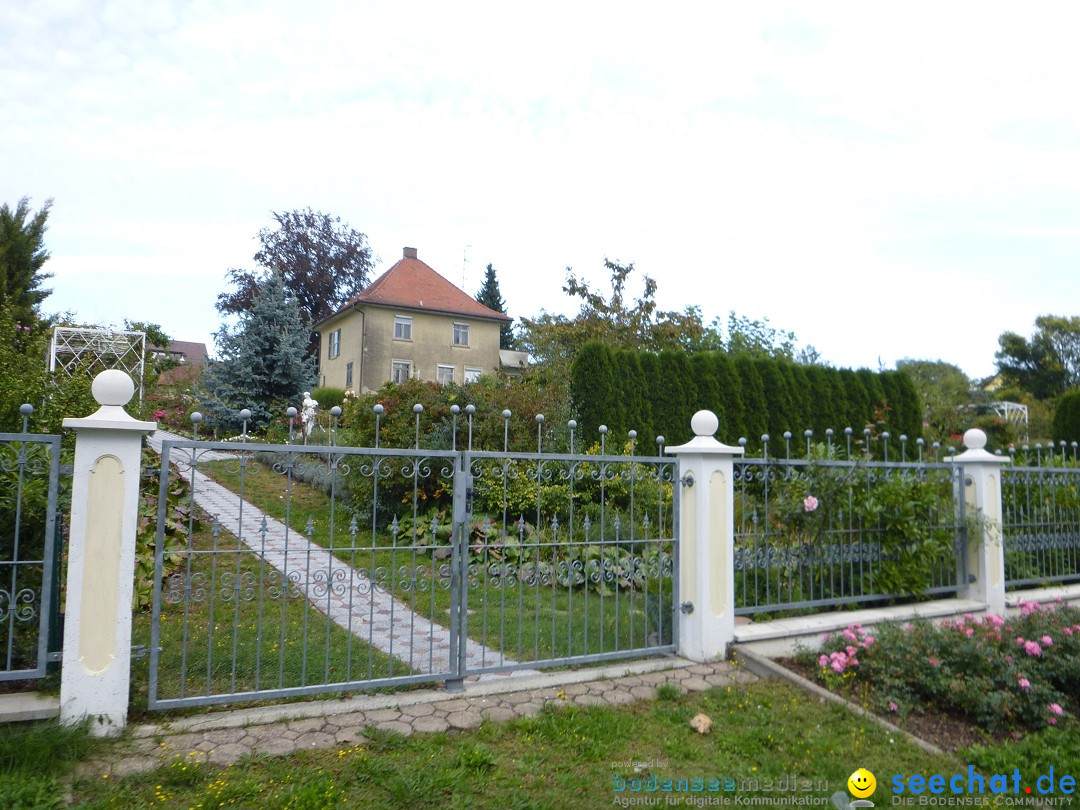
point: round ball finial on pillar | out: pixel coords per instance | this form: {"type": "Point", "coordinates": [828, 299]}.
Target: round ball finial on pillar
{"type": "Point", "coordinates": [704, 423]}
{"type": "Point", "coordinates": [974, 439]}
{"type": "Point", "coordinates": [113, 387]}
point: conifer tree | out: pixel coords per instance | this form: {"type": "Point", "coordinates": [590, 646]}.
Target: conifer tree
{"type": "Point", "coordinates": [755, 407]}
{"type": "Point", "coordinates": [727, 380]}
{"type": "Point", "coordinates": [708, 390]}
{"type": "Point", "coordinates": [777, 399]}
{"type": "Point", "coordinates": [22, 255]}
{"type": "Point", "coordinates": [491, 297]}
{"type": "Point", "coordinates": [631, 380]}
{"type": "Point", "coordinates": [594, 392]}
{"type": "Point", "coordinates": [263, 363]}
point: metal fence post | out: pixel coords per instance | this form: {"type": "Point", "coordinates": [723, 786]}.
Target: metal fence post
{"type": "Point", "coordinates": [981, 491]}
{"type": "Point", "coordinates": [706, 541]}
{"type": "Point", "coordinates": [101, 559]}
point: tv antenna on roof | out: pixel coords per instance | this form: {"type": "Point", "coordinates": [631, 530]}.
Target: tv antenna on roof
{"type": "Point", "coordinates": [464, 261]}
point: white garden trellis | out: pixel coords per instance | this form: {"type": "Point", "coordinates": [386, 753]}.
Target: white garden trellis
{"type": "Point", "coordinates": [78, 350]}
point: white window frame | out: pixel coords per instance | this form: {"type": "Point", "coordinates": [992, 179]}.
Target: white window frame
{"type": "Point", "coordinates": [334, 342]}
{"type": "Point", "coordinates": [464, 331]}
{"type": "Point", "coordinates": [472, 374]}
{"type": "Point", "coordinates": [440, 370]}
{"type": "Point", "coordinates": [348, 374]}
{"type": "Point", "coordinates": [402, 327]}
{"type": "Point", "coordinates": [394, 364]}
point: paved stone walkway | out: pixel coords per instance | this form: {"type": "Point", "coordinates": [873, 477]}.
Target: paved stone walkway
{"type": "Point", "coordinates": [346, 595]}
{"type": "Point", "coordinates": [225, 737]}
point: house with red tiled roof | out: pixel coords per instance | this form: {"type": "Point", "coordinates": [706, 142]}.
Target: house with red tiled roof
{"type": "Point", "coordinates": [409, 323]}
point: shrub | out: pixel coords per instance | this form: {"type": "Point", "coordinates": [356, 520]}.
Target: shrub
{"type": "Point", "coordinates": [328, 397]}
{"type": "Point", "coordinates": [1003, 674]}
{"type": "Point", "coordinates": [1067, 417]}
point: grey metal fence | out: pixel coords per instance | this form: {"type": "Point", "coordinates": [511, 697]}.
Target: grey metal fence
{"type": "Point", "coordinates": [29, 486]}
{"type": "Point", "coordinates": [307, 569]}
{"type": "Point", "coordinates": [837, 528]}
{"type": "Point", "coordinates": [1040, 503]}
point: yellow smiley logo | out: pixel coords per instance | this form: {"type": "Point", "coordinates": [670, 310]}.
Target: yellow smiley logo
{"type": "Point", "coordinates": [861, 783]}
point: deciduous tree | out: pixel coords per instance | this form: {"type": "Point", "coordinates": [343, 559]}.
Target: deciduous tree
{"type": "Point", "coordinates": [321, 260]}
{"type": "Point", "coordinates": [1046, 364]}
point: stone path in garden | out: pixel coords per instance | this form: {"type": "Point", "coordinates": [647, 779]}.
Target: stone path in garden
{"type": "Point", "coordinates": [347, 596]}
{"type": "Point", "coordinates": [225, 737]}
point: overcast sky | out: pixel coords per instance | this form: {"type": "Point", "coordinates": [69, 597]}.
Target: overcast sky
{"type": "Point", "coordinates": [885, 180]}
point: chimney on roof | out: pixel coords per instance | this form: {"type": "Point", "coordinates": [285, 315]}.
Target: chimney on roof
{"type": "Point", "coordinates": [410, 253]}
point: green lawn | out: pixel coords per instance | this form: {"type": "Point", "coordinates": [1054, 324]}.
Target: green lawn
{"type": "Point", "coordinates": [560, 759]}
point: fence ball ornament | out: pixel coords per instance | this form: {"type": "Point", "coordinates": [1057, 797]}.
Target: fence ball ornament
{"type": "Point", "coordinates": [112, 387]}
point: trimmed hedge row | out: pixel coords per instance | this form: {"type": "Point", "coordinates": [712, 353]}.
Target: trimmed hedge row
{"type": "Point", "coordinates": [657, 394]}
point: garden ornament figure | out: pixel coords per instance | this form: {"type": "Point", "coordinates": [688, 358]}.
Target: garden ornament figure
{"type": "Point", "coordinates": [308, 412]}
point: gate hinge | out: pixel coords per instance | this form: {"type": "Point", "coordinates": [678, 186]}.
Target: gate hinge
{"type": "Point", "coordinates": [687, 608]}
{"type": "Point", "coordinates": [140, 651]}
{"type": "Point", "coordinates": [687, 480]}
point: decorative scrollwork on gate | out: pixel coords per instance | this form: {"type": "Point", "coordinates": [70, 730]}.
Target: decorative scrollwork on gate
{"type": "Point", "coordinates": [23, 606]}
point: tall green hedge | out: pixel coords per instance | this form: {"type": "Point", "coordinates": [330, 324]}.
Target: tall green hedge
{"type": "Point", "coordinates": [1067, 417]}
{"type": "Point", "coordinates": [657, 395]}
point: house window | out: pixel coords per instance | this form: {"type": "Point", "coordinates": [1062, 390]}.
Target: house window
{"type": "Point", "coordinates": [444, 374]}
{"type": "Point", "coordinates": [461, 334]}
{"type": "Point", "coordinates": [335, 343]}
{"type": "Point", "coordinates": [348, 374]}
{"type": "Point", "coordinates": [402, 327]}
{"type": "Point", "coordinates": [472, 374]}
{"type": "Point", "coordinates": [401, 371]}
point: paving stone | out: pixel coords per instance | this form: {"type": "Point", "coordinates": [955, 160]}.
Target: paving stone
{"type": "Point", "coordinates": [654, 677]}
{"type": "Point", "coordinates": [719, 679]}
{"type": "Point", "coordinates": [275, 746]}
{"type": "Point", "coordinates": [464, 720]}
{"type": "Point", "coordinates": [383, 715]}
{"type": "Point", "coordinates": [700, 669]}
{"type": "Point", "coordinates": [498, 714]}
{"type": "Point", "coordinates": [183, 742]}
{"type": "Point", "coordinates": [590, 700]}
{"type": "Point", "coordinates": [513, 698]}
{"type": "Point", "coordinates": [289, 734]}
{"type": "Point", "coordinates": [311, 724]}
{"type": "Point", "coordinates": [418, 710]}
{"type": "Point", "coordinates": [351, 734]}
{"type": "Point", "coordinates": [430, 724]}
{"type": "Point", "coordinates": [315, 739]}
{"type": "Point", "coordinates": [643, 692]}
{"type": "Point", "coordinates": [350, 719]}
{"type": "Point", "coordinates": [206, 745]}
{"type": "Point", "coordinates": [265, 732]}
{"type": "Point", "coordinates": [619, 697]}
{"type": "Point", "coordinates": [228, 752]}
{"type": "Point", "coordinates": [743, 676]}
{"type": "Point", "coordinates": [457, 705]}
{"type": "Point", "coordinates": [527, 709]}
{"type": "Point", "coordinates": [129, 765]}
{"type": "Point", "coordinates": [696, 684]}
{"type": "Point", "coordinates": [226, 735]}
{"type": "Point", "coordinates": [396, 726]}
{"type": "Point", "coordinates": [575, 689]}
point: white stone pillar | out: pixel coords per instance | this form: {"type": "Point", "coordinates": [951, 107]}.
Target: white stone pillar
{"type": "Point", "coordinates": [96, 669]}
{"type": "Point", "coordinates": [982, 500]}
{"type": "Point", "coordinates": [706, 541]}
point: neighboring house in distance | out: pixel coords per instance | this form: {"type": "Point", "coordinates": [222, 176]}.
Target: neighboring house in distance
{"type": "Point", "coordinates": [190, 360]}
{"type": "Point", "coordinates": [409, 323]}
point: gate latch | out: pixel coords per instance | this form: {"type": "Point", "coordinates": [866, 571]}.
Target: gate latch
{"type": "Point", "coordinates": [469, 492]}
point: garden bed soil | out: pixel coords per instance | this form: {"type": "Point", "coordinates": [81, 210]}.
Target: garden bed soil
{"type": "Point", "coordinates": [948, 731]}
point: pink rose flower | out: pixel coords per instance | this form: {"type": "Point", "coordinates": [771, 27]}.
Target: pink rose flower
{"type": "Point", "coordinates": [1047, 641]}
{"type": "Point", "coordinates": [1056, 709]}
{"type": "Point", "coordinates": [1033, 649]}
{"type": "Point", "coordinates": [1024, 683]}
{"type": "Point", "coordinates": [810, 503]}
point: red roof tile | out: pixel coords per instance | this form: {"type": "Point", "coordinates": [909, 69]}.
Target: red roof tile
{"type": "Point", "coordinates": [411, 284]}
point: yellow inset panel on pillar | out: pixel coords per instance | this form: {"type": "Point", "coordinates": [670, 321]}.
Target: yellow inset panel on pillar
{"type": "Point", "coordinates": [101, 565]}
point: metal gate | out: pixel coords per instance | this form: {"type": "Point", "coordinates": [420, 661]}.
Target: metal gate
{"type": "Point", "coordinates": [29, 486]}
{"type": "Point", "coordinates": [292, 570]}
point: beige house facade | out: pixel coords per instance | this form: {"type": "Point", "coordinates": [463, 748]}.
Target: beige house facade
{"type": "Point", "coordinates": [410, 323]}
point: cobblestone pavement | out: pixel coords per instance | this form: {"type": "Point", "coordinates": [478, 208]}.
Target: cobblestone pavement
{"type": "Point", "coordinates": [225, 737]}
{"type": "Point", "coordinates": [345, 594]}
